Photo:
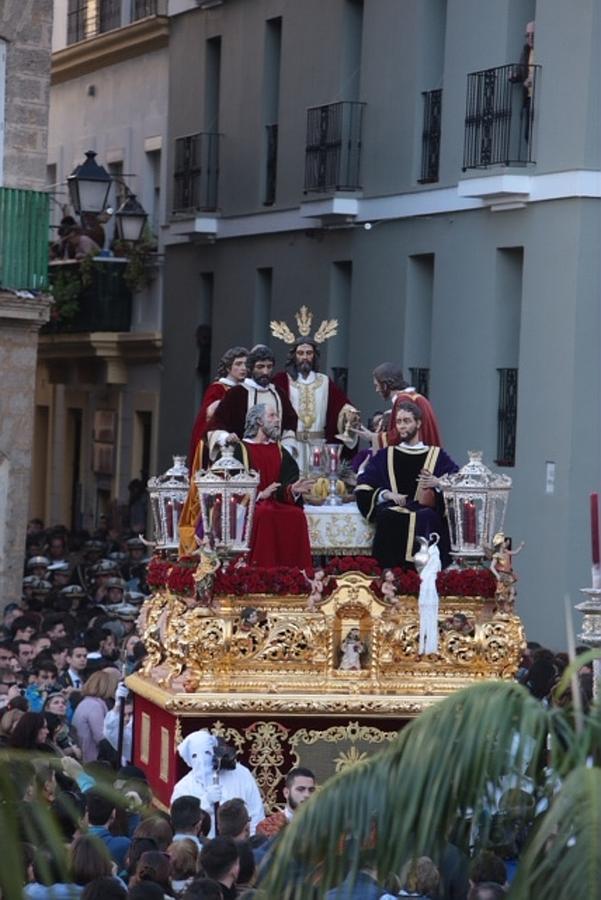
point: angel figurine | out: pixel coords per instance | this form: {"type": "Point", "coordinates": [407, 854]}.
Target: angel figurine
{"type": "Point", "coordinates": [502, 568]}
{"type": "Point", "coordinates": [318, 584]}
{"type": "Point", "coordinates": [352, 648]}
{"type": "Point", "coordinates": [427, 563]}
{"type": "Point", "coordinates": [389, 588]}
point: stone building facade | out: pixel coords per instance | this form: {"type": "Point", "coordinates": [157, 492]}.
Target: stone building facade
{"type": "Point", "coordinates": [25, 39]}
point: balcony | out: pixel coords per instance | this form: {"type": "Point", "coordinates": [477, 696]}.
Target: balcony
{"type": "Point", "coordinates": [89, 18]}
{"type": "Point", "coordinates": [23, 239]}
{"type": "Point", "coordinates": [90, 295]}
{"type": "Point", "coordinates": [333, 148]}
{"type": "Point", "coordinates": [141, 9]}
{"type": "Point", "coordinates": [500, 116]}
{"type": "Point", "coordinates": [196, 173]}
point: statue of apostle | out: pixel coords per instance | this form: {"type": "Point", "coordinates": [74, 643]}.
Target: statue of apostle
{"type": "Point", "coordinates": [280, 536]}
{"type": "Point", "coordinates": [231, 371]}
{"type": "Point", "coordinates": [324, 411]}
{"type": "Point", "coordinates": [228, 422]}
{"type": "Point", "coordinates": [398, 492]}
{"type": "Point", "coordinates": [392, 387]}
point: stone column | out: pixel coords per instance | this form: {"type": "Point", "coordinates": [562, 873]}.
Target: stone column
{"type": "Point", "coordinates": [20, 321]}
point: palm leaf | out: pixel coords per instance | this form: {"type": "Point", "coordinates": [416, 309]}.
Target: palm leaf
{"type": "Point", "coordinates": [562, 860]}
{"type": "Point", "coordinates": [451, 762]}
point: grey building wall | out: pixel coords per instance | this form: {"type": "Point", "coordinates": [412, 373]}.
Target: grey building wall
{"type": "Point", "coordinates": [26, 26]}
{"type": "Point", "coordinates": [461, 291]}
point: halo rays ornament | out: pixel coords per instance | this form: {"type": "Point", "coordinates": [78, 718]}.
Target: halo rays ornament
{"type": "Point", "coordinates": [304, 319]}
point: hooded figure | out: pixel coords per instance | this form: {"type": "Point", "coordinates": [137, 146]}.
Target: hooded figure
{"type": "Point", "coordinates": [213, 785]}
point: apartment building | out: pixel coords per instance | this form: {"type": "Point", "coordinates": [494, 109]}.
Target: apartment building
{"type": "Point", "coordinates": [411, 170]}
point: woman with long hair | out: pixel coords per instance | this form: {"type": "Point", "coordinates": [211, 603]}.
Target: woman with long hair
{"type": "Point", "coordinates": [30, 733]}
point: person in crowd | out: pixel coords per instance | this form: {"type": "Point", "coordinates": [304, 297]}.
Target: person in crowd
{"type": "Point", "coordinates": [220, 860]}
{"type": "Point", "coordinates": [153, 866]}
{"type": "Point", "coordinates": [233, 819]}
{"type": "Point", "coordinates": [104, 888]}
{"type": "Point", "coordinates": [42, 684]}
{"type": "Point", "coordinates": [214, 785]}
{"type": "Point", "coordinates": [30, 733]}
{"type": "Point", "coordinates": [203, 889]}
{"type": "Point", "coordinates": [183, 864]}
{"type": "Point", "coordinates": [101, 814]}
{"type": "Point", "coordinates": [189, 820]}
{"type": "Point", "coordinates": [77, 661]}
{"type": "Point", "coordinates": [88, 718]}
{"type": "Point", "coordinates": [158, 828]}
{"type": "Point", "coordinates": [300, 786]}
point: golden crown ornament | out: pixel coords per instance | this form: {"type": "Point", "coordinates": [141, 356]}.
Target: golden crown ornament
{"type": "Point", "coordinates": [304, 318]}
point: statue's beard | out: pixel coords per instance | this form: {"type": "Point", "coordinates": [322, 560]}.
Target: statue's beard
{"type": "Point", "coordinates": [262, 380]}
{"type": "Point", "coordinates": [304, 368]}
{"type": "Point", "coordinates": [272, 432]}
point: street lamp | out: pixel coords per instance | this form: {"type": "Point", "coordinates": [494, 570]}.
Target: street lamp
{"type": "Point", "coordinates": [89, 185]}
{"type": "Point", "coordinates": [130, 220]}
{"type": "Point", "coordinates": [168, 494]}
{"type": "Point", "coordinates": [227, 493]}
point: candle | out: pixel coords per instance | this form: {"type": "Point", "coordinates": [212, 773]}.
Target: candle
{"type": "Point", "coordinates": [316, 458]}
{"type": "Point", "coordinates": [469, 522]}
{"type": "Point", "coordinates": [595, 528]}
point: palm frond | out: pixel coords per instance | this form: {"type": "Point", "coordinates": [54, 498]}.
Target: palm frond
{"type": "Point", "coordinates": [562, 859]}
{"type": "Point", "coordinates": [453, 761]}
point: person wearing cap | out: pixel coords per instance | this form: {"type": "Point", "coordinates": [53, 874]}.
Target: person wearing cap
{"type": "Point", "coordinates": [11, 612]}
{"type": "Point", "coordinates": [40, 590]}
{"type": "Point", "coordinates": [38, 566]}
{"type": "Point", "coordinates": [115, 588]}
{"type": "Point", "coordinates": [102, 572]}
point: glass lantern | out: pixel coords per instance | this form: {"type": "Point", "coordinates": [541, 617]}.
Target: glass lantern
{"type": "Point", "coordinates": [475, 502]}
{"type": "Point", "coordinates": [227, 493]}
{"type": "Point", "coordinates": [168, 494]}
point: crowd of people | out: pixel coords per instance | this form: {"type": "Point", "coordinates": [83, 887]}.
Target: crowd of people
{"type": "Point", "coordinates": [64, 653]}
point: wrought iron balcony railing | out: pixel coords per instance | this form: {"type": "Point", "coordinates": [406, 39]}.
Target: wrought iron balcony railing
{"type": "Point", "coordinates": [86, 19]}
{"type": "Point", "coordinates": [271, 164]}
{"type": "Point", "coordinates": [91, 295]}
{"type": "Point", "coordinates": [500, 116]}
{"type": "Point", "coordinates": [141, 9]}
{"type": "Point", "coordinates": [431, 136]}
{"type": "Point", "coordinates": [420, 379]}
{"type": "Point", "coordinates": [333, 149]}
{"type": "Point", "coordinates": [196, 173]}
{"type": "Point", "coordinates": [24, 224]}
{"type": "Point", "coordinates": [507, 417]}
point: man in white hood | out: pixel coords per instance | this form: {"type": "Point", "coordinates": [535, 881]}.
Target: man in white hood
{"type": "Point", "coordinates": [212, 785]}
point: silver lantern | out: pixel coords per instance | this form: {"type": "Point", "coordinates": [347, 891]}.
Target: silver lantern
{"type": "Point", "coordinates": [227, 493]}
{"type": "Point", "coordinates": [168, 494]}
{"type": "Point", "coordinates": [475, 502]}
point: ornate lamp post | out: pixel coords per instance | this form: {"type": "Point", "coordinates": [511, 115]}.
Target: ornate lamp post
{"type": "Point", "coordinates": [130, 219]}
{"type": "Point", "coordinates": [168, 493]}
{"type": "Point", "coordinates": [227, 493]}
{"type": "Point", "coordinates": [475, 501]}
{"type": "Point", "coordinates": [89, 185]}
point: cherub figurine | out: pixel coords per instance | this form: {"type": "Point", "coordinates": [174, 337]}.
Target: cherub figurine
{"type": "Point", "coordinates": [389, 588]}
{"type": "Point", "coordinates": [502, 568]}
{"type": "Point", "coordinates": [317, 583]}
{"type": "Point", "coordinates": [204, 574]}
{"type": "Point", "coordinates": [249, 617]}
{"type": "Point", "coordinates": [352, 648]}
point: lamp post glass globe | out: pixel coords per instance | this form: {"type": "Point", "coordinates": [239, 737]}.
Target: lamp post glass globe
{"type": "Point", "coordinates": [130, 220]}
{"type": "Point", "coordinates": [89, 185]}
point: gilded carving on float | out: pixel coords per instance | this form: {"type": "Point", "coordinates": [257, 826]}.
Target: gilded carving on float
{"type": "Point", "coordinates": [265, 645]}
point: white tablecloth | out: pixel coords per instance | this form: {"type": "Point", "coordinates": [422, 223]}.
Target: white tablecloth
{"type": "Point", "coordinates": [338, 530]}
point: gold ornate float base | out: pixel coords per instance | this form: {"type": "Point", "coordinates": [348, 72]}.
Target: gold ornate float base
{"type": "Point", "coordinates": [266, 672]}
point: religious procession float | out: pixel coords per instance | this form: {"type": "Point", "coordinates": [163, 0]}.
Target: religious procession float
{"type": "Point", "coordinates": [320, 664]}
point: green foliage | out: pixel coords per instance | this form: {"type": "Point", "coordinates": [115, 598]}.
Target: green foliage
{"type": "Point", "coordinates": [441, 779]}
{"type": "Point", "coordinates": [140, 256]}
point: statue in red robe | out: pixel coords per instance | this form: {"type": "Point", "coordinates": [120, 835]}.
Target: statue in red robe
{"type": "Point", "coordinates": [390, 385]}
{"type": "Point", "coordinates": [280, 536]}
{"type": "Point", "coordinates": [231, 371]}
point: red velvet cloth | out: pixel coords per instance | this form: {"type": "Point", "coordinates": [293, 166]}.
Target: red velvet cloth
{"type": "Point", "coordinates": [215, 391]}
{"type": "Point", "coordinates": [280, 536]}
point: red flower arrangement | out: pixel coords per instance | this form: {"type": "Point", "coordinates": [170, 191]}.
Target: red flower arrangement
{"type": "Point", "coordinates": [158, 573]}
{"type": "Point", "coordinates": [239, 579]}
{"type": "Point", "coordinates": [180, 580]}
